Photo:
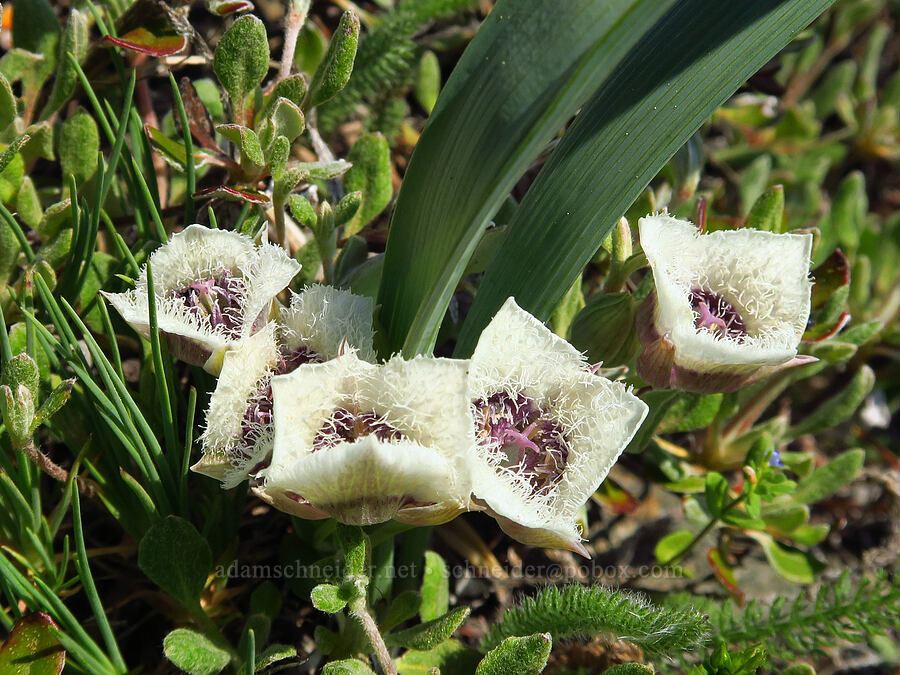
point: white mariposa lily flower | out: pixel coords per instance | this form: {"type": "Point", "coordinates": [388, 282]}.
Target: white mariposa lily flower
{"type": "Point", "coordinates": [729, 307]}
{"type": "Point", "coordinates": [365, 443]}
{"type": "Point", "coordinates": [320, 324]}
{"type": "Point", "coordinates": [213, 289]}
{"type": "Point", "coordinates": [548, 429]}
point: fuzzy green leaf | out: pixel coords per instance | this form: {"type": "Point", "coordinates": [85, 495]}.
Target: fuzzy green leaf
{"type": "Point", "coordinates": [21, 370]}
{"type": "Point", "coordinates": [7, 104]}
{"type": "Point", "coordinates": [54, 402]}
{"type": "Point", "coordinates": [176, 558]}
{"type": "Point", "coordinates": [793, 564]}
{"type": "Point", "coordinates": [828, 479]}
{"type": "Point", "coordinates": [241, 60]}
{"type": "Point", "coordinates": [328, 598]}
{"type": "Point", "coordinates": [522, 655]}
{"type": "Point", "coordinates": [74, 41]}
{"type": "Point", "coordinates": [347, 208]}
{"type": "Point", "coordinates": [302, 211]}
{"type": "Point", "coordinates": [837, 408]}
{"type": "Point", "coordinates": [194, 653]}
{"type": "Point", "coordinates": [347, 667]}
{"type": "Point", "coordinates": [371, 175]}
{"type": "Point", "coordinates": [768, 211]}
{"type": "Point", "coordinates": [430, 634]}
{"type": "Point", "coordinates": [629, 669]}
{"type": "Point", "coordinates": [334, 70]}
{"type": "Point", "coordinates": [451, 657]}
{"type": "Point", "coordinates": [79, 143]}
{"type": "Point", "coordinates": [435, 587]}
{"type": "Point", "coordinates": [37, 31]}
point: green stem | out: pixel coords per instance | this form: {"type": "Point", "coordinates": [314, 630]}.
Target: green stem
{"type": "Point", "coordinates": [702, 533]}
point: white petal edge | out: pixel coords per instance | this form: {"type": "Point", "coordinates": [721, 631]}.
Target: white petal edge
{"type": "Point", "coordinates": [322, 317]}
{"type": "Point", "coordinates": [600, 417]}
{"type": "Point", "coordinates": [516, 352]}
{"type": "Point", "coordinates": [763, 274]}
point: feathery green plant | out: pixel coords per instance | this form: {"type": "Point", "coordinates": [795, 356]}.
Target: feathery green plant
{"type": "Point", "coordinates": [584, 611]}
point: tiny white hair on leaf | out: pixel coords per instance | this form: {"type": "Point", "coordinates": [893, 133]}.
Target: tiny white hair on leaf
{"type": "Point", "coordinates": [197, 253]}
{"type": "Point", "coordinates": [763, 275]}
{"type": "Point", "coordinates": [322, 317]}
{"type": "Point", "coordinates": [598, 417]}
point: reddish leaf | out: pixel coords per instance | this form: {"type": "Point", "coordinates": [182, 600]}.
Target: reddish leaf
{"type": "Point", "coordinates": [615, 498]}
{"type": "Point", "coordinates": [226, 7]}
{"type": "Point", "coordinates": [198, 116]}
{"type": "Point", "coordinates": [724, 574]}
{"type": "Point", "coordinates": [31, 648]}
{"type": "Point", "coordinates": [143, 41]}
{"type": "Point", "coordinates": [240, 194]}
{"type": "Point", "coordinates": [829, 276]}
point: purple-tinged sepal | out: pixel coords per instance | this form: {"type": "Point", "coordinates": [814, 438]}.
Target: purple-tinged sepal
{"type": "Point", "coordinates": [729, 308]}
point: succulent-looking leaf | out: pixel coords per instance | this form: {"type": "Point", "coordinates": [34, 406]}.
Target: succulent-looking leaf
{"type": "Point", "coordinates": [194, 653]}
{"type": "Point", "coordinates": [32, 648]}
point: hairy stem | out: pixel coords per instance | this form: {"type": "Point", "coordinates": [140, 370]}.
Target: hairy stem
{"type": "Point", "coordinates": [361, 612]}
{"type": "Point", "coordinates": [293, 23]}
{"type": "Point", "coordinates": [86, 486]}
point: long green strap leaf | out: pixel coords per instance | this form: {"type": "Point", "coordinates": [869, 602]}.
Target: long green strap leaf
{"type": "Point", "coordinates": [529, 68]}
{"type": "Point", "coordinates": [672, 81]}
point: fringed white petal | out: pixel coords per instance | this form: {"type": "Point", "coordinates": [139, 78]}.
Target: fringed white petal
{"type": "Point", "coordinates": [597, 416]}
{"type": "Point", "coordinates": [425, 400]}
{"type": "Point", "coordinates": [323, 317]}
{"type": "Point", "coordinates": [245, 371]}
{"type": "Point", "coordinates": [762, 274]}
{"type": "Point", "coordinates": [198, 253]}
{"type": "Point", "coordinates": [367, 481]}
{"type": "Point", "coordinates": [516, 352]}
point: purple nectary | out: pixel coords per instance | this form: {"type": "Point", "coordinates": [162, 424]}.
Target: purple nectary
{"type": "Point", "coordinates": [528, 440]}
{"type": "Point", "coordinates": [258, 415]}
{"type": "Point", "coordinates": [219, 298]}
{"type": "Point", "coordinates": [715, 314]}
{"type": "Point", "coordinates": [347, 425]}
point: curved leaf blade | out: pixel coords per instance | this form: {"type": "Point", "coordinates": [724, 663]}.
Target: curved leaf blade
{"type": "Point", "coordinates": [532, 64]}
{"type": "Point", "coordinates": [670, 83]}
